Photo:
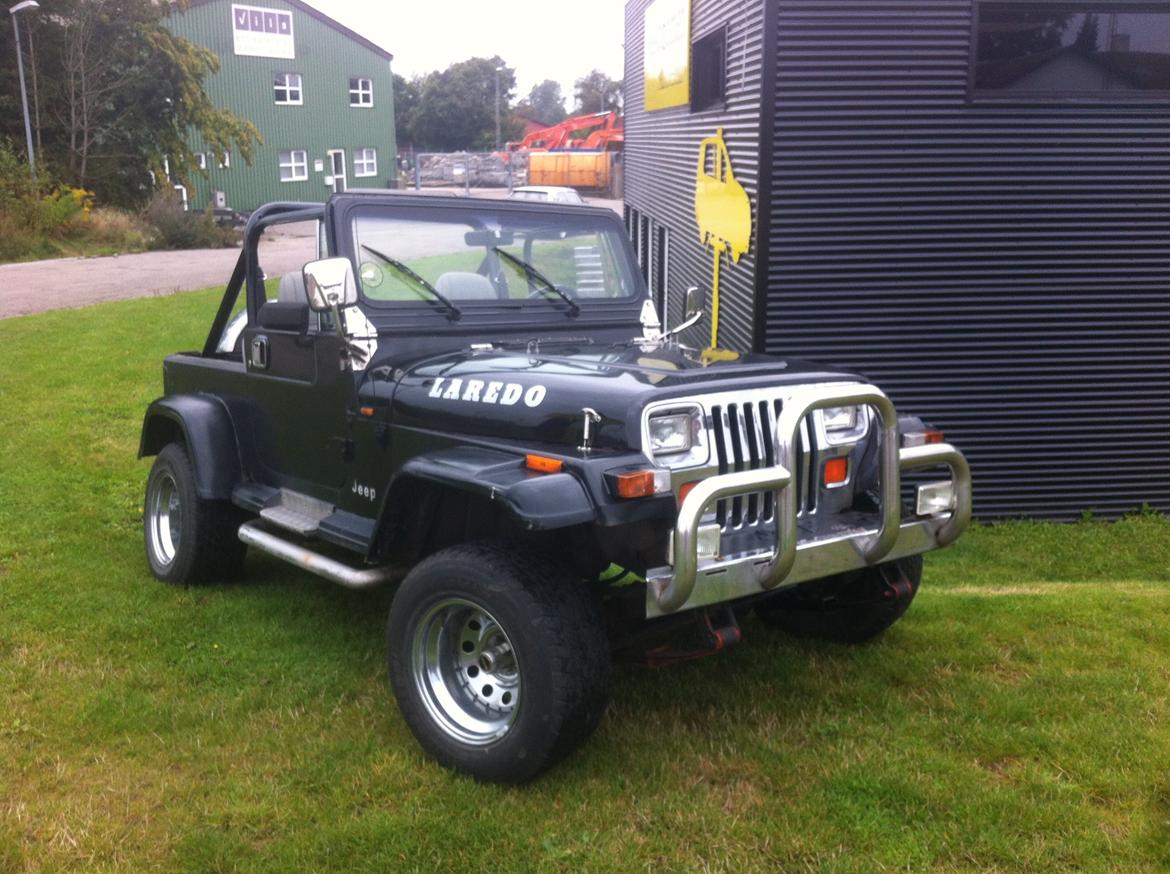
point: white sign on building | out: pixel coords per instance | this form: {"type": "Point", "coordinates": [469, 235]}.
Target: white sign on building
{"type": "Point", "coordinates": [262, 33]}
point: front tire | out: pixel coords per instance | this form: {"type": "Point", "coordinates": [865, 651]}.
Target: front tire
{"type": "Point", "coordinates": [850, 608]}
{"type": "Point", "coordinates": [189, 539]}
{"type": "Point", "coordinates": [498, 659]}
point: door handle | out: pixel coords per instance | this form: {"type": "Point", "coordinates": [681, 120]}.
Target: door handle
{"type": "Point", "coordinates": [259, 355]}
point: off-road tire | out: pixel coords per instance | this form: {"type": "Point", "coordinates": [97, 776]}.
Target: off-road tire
{"type": "Point", "coordinates": [561, 658]}
{"type": "Point", "coordinates": [850, 608]}
{"type": "Point", "coordinates": [205, 547]}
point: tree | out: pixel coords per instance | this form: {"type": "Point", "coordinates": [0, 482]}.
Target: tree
{"type": "Point", "coordinates": [406, 101]}
{"type": "Point", "coordinates": [119, 95]}
{"type": "Point", "coordinates": [456, 107]}
{"type": "Point", "coordinates": [544, 103]}
{"type": "Point", "coordinates": [596, 92]}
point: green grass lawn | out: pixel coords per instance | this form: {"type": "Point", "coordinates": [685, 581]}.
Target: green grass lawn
{"type": "Point", "coordinates": [1018, 718]}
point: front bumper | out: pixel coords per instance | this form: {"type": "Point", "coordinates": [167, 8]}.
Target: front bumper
{"type": "Point", "coordinates": [688, 581]}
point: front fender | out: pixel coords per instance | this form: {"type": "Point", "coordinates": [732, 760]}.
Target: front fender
{"type": "Point", "coordinates": [538, 501]}
{"type": "Point", "coordinates": [205, 426]}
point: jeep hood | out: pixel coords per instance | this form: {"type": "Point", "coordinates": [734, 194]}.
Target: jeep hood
{"type": "Point", "coordinates": [537, 395]}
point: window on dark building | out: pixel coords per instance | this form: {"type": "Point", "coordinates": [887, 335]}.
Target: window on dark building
{"type": "Point", "coordinates": [708, 56]}
{"type": "Point", "coordinates": [1101, 50]}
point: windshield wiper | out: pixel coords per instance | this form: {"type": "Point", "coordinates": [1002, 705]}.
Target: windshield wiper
{"type": "Point", "coordinates": [453, 312]}
{"type": "Point", "coordinates": [535, 275]}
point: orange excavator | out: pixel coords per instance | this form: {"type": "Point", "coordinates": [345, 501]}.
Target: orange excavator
{"type": "Point", "coordinates": [597, 131]}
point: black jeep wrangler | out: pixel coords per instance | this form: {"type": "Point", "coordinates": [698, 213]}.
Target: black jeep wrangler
{"type": "Point", "coordinates": [474, 399]}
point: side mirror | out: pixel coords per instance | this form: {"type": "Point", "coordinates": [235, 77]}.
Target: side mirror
{"type": "Point", "coordinates": [329, 283]}
{"type": "Point", "coordinates": [694, 313]}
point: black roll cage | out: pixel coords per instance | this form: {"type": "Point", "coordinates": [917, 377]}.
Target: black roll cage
{"type": "Point", "coordinates": [247, 267]}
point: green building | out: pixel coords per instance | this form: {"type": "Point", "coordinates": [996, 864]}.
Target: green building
{"type": "Point", "coordinates": [321, 95]}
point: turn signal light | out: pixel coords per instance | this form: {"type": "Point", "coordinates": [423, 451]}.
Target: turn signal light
{"type": "Point", "coordinates": [685, 490]}
{"type": "Point", "coordinates": [543, 464]}
{"type": "Point", "coordinates": [923, 438]}
{"type": "Point", "coordinates": [836, 471]}
{"type": "Point", "coordinates": [635, 484]}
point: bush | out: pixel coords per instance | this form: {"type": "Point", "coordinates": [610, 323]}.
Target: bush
{"type": "Point", "coordinates": [118, 229]}
{"type": "Point", "coordinates": [61, 213]}
{"type": "Point", "coordinates": [176, 228]}
{"type": "Point", "coordinates": [41, 206]}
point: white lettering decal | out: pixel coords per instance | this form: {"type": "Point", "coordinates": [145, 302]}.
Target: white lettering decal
{"type": "Point", "coordinates": [452, 392]}
{"type": "Point", "coordinates": [362, 491]}
{"type": "Point", "coordinates": [476, 391]}
{"type": "Point", "coordinates": [512, 393]}
{"type": "Point", "coordinates": [473, 388]}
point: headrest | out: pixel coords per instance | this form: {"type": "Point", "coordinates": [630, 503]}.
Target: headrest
{"type": "Point", "coordinates": [465, 286]}
{"type": "Point", "coordinates": [292, 288]}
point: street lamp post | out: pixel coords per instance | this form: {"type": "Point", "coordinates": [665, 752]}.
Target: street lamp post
{"type": "Point", "coordinates": [20, 7]}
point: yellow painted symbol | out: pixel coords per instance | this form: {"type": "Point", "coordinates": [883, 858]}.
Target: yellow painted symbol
{"type": "Point", "coordinates": [723, 212]}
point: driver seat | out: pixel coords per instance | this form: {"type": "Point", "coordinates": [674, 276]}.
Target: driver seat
{"type": "Point", "coordinates": [292, 288]}
{"type": "Point", "coordinates": [457, 285]}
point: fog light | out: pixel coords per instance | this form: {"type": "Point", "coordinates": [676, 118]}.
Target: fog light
{"type": "Point", "coordinates": [707, 543]}
{"type": "Point", "coordinates": [935, 498]}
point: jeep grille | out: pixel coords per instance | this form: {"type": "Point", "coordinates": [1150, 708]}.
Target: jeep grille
{"type": "Point", "coordinates": [743, 435]}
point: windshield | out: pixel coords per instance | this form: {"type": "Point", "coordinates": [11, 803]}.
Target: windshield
{"type": "Point", "coordinates": [489, 258]}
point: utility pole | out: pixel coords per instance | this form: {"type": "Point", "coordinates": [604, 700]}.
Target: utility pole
{"type": "Point", "coordinates": [20, 7]}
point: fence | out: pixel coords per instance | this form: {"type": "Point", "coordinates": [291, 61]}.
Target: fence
{"type": "Point", "coordinates": [469, 170]}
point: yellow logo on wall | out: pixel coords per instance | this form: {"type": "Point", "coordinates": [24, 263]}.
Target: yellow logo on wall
{"type": "Point", "coordinates": [723, 212]}
{"type": "Point", "coordinates": [666, 54]}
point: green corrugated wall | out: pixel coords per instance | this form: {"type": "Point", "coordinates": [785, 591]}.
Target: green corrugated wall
{"type": "Point", "coordinates": [326, 59]}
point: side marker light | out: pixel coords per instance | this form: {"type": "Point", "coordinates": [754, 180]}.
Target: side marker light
{"type": "Point", "coordinates": [543, 464]}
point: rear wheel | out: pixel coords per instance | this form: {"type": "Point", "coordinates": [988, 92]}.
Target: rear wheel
{"type": "Point", "coordinates": [498, 660]}
{"type": "Point", "coordinates": [849, 608]}
{"type": "Point", "coordinates": [188, 539]}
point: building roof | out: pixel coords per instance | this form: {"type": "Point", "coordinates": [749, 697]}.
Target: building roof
{"type": "Point", "coordinates": [326, 20]}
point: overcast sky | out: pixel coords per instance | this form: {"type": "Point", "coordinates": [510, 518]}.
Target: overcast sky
{"type": "Point", "coordinates": [540, 39]}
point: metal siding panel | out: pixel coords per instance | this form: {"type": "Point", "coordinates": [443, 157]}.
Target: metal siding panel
{"type": "Point", "coordinates": [1002, 271]}
{"type": "Point", "coordinates": [326, 59]}
{"type": "Point", "coordinates": [661, 152]}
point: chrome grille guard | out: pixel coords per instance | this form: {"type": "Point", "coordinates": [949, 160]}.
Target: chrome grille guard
{"type": "Point", "coordinates": [673, 588]}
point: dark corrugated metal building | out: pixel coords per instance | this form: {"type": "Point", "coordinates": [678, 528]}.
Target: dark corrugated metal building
{"type": "Point", "coordinates": [968, 201]}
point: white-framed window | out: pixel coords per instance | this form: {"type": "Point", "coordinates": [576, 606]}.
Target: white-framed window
{"type": "Point", "coordinates": [286, 89]}
{"type": "Point", "coordinates": [201, 160]}
{"type": "Point", "coordinates": [294, 166]}
{"type": "Point", "coordinates": [361, 92]}
{"type": "Point", "coordinates": [225, 161]}
{"type": "Point", "coordinates": [365, 162]}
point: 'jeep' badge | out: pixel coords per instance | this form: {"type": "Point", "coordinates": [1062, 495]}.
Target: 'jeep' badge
{"type": "Point", "coordinates": [479, 391]}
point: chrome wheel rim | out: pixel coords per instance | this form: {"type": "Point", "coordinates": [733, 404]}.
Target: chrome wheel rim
{"type": "Point", "coordinates": [466, 672]}
{"type": "Point", "coordinates": [164, 514]}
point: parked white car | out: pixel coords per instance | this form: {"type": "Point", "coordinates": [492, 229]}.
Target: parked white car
{"type": "Point", "coordinates": [546, 193]}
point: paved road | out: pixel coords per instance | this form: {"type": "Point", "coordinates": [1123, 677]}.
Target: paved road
{"type": "Point", "coordinates": [76, 282]}
{"type": "Point", "coordinates": [63, 283]}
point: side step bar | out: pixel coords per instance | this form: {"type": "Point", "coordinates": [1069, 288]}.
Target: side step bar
{"type": "Point", "coordinates": [315, 563]}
